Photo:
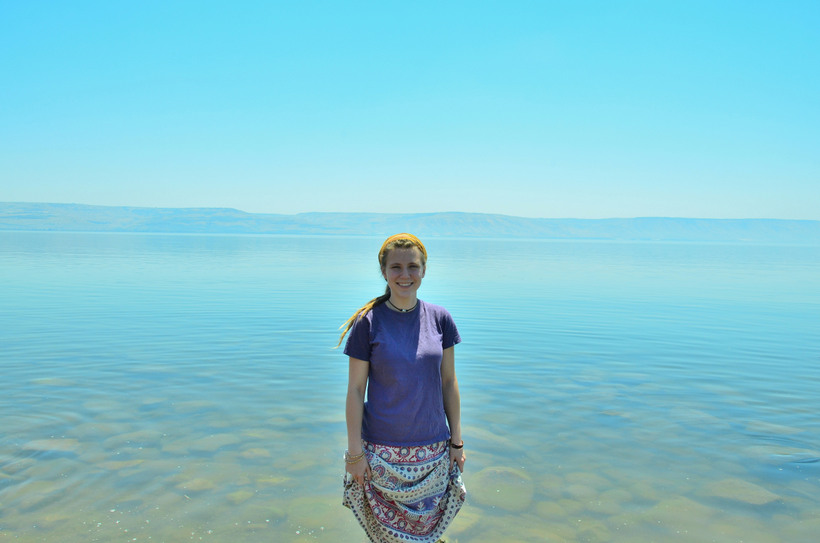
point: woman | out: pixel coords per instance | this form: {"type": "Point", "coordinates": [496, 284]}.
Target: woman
{"type": "Point", "coordinates": [405, 453]}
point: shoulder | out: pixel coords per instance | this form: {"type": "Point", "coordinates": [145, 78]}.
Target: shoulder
{"type": "Point", "coordinates": [442, 321]}
{"type": "Point", "coordinates": [361, 334]}
{"type": "Point", "coordinates": [370, 318]}
{"type": "Point", "coordinates": [378, 312]}
{"type": "Point", "coordinates": [437, 312]}
{"type": "Point", "coordinates": [362, 322]}
{"type": "Point", "coordinates": [433, 308]}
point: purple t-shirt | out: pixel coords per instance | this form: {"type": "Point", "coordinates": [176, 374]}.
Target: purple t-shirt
{"type": "Point", "coordinates": [404, 403]}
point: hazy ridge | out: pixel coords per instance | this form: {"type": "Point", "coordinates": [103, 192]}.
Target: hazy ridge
{"type": "Point", "coordinates": [88, 218]}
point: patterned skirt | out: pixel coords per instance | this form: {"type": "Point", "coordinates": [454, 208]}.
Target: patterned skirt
{"type": "Point", "coordinates": [412, 496]}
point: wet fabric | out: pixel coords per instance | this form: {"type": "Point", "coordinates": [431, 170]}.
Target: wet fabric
{"type": "Point", "coordinates": [413, 495]}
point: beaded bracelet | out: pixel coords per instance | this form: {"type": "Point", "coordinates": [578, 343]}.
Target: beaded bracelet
{"type": "Point", "coordinates": [453, 446]}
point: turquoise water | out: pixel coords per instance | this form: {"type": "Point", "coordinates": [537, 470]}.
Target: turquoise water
{"type": "Point", "coordinates": [184, 388]}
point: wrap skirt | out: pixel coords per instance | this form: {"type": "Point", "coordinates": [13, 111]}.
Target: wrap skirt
{"type": "Point", "coordinates": [412, 496]}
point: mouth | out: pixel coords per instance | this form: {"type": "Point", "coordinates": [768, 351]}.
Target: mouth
{"type": "Point", "coordinates": [405, 284]}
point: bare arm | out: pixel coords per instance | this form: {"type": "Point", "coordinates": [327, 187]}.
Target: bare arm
{"type": "Point", "coordinates": [452, 404]}
{"type": "Point", "coordinates": [354, 408]}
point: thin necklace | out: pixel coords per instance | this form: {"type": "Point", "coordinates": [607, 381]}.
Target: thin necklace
{"type": "Point", "coordinates": [400, 309]}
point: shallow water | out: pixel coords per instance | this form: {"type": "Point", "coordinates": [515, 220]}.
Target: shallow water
{"type": "Point", "coordinates": [176, 388]}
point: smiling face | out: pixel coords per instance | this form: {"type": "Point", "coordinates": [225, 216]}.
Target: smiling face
{"type": "Point", "coordinates": [403, 270]}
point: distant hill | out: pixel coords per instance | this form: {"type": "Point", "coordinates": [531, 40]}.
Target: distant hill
{"type": "Point", "coordinates": [86, 218]}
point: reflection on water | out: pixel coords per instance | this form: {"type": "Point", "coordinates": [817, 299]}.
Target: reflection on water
{"type": "Point", "coordinates": [183, 388]}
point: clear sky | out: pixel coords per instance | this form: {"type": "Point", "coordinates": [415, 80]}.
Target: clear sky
{"type": "Point", "coordinates": [538, 109]}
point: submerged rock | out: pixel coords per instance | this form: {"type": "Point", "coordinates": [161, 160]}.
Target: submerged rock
{"type": "Point", "coordinates": [273, 480]}
{"type": "Point", "coordinates": [588, 479]}
{"type": "Point", "coordinates": [581, 492]}
{"type": "Point", "coordinates": [41, 493]}
{"type": "Point", "coordinates": [240, 496]}
{"type": "Point", "coordinates": [196, 485]}
{"type": "Point", "coordinates": [506, 488]}
{"type": "Point", "coordinates": [192, 406]}
{"type": "Point", "coordinates": [17, 466]}
{"type": "Point", "coordinates": [138, 438]}
{"type": "Point", "coordinates": [256, 452]}
{"type": "Point", "coordinates": [53, 518]}
{"type": "Point", "coordinates": [465, 519]}
{"type": "Point", "coordinates": [550, 510]}
{"type": "Point", "coordinates": [116, 465]}
{"type": "Point", "coordinates": [678, 513]}
{"type": "Point", "coordinates": [97, 431]}
{"type": "Point", "coordinates": [213, 442]}
{"type": "Point", "coordinates": [266, 434]}
{"type": "Point", "coordinates": [53, 382]}
{"type": "Point", "coordinates": [677, 516]}
{"type": "Point", "coordinates": [769, 428]}
{"type": "Point", "coordinates": [802, 530]}
{"type": "Point", "coordinates": [593, 531]}
{"type": "Point", "coordinates": [742, 491]}
{"type": "Point", "coordinates": [610, 502]}
{"type": "Point", "coordinates": [52, 445]}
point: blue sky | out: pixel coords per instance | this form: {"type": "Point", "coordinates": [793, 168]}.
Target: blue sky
{"type": "Point", "coordinates": [536, 109]}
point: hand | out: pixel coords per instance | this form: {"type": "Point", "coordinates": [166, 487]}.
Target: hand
{"type": "Point", "coordinates": [457, 457]}
{"type": "Point", "coordinates": [360, 471]}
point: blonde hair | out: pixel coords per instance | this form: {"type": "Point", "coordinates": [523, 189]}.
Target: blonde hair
{"type": "Point", "coordinates": [398, 241]}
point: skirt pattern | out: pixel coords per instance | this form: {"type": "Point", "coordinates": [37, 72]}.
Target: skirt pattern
{"type": "Point", "coordinates": [412, 496]}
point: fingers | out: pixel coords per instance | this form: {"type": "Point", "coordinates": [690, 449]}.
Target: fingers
{"type": "Point", "coordinates": [368, 474]}
{"type": "Point", "coordinates": [361, 478]}
{"type": "Point", "coordinates": [359, 471]}
{"type": "Point", "coordinates": [457, 458]}
{"type": "Point", "coordinates": [364, 477]}
{"type": "Point", "coordinates": [459, 461]}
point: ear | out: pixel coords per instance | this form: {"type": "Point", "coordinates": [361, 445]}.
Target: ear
{"type": "Point", "coordinates": [423, 270]}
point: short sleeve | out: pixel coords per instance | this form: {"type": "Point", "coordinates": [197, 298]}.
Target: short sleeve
{"type": "Point", "coordinates": [358, 339]}
{"type": "Point", "coordinates": [449, 332]}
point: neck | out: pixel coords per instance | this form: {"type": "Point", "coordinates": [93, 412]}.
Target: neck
{"type": "Point", "coordinates": [402, 304]}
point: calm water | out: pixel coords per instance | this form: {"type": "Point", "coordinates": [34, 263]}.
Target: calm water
{"type": "Point", "coordinates": [184, 388]}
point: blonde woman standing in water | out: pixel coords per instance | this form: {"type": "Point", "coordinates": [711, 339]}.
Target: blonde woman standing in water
{"type": "Point", "coordinates": [405, 453]}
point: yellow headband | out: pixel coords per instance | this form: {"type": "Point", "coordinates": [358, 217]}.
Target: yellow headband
{"type": "Point", "coordinates": [410, 237]}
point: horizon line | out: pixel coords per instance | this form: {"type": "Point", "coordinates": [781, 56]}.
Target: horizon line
{"type": "Point", "coordinates": [416, 213]}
